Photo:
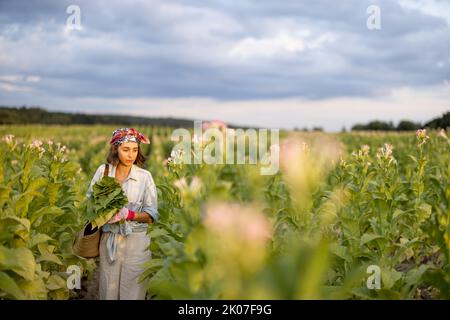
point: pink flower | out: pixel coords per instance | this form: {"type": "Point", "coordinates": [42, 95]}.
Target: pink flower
{"type": "Point", "coordinates": [241, 223]}
{"type": "Point", "coordinates": [218, 124]}
{"type": "Point", "coordinates": [422, 137]}
{"type": "Point", "coordinates": [421, 133]}
{"type": "Point", "coordinates": [236, 239]}
{"type": "Point", "coordinates": [37, 144]}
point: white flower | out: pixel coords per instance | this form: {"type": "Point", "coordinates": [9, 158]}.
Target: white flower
{"type": "Point", "coordinates": [195, 185]}
{"type": "Point", "coordinates": [385, 153]}
{"type": "Point", "coordinates": [63, 148]}
{"type": "Point", "coordinates": [181, 184]}
{"type": "Point", "coordinates": [441, 133]}
{"type": "Point", "coordinates": [176, 156]}
{"type": "Point", "coordinates": [365, 149]}
{"type": "Point", "coordinates": [388, 149]}
{"type": "Point", "coordinates": [362, 153]}
{"type": "Point", "coordinates": [36, 144]}
{"type": "Point", "coordinates": [8, 138]}
{"type": "Point", "coordinates": [192, 189]}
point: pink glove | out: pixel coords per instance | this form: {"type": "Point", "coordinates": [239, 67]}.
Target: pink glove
{"type": "Point", "coordinates": [123, 214]}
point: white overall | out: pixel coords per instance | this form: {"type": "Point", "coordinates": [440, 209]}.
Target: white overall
{"type": "Point", "coordinates": [119, 279]}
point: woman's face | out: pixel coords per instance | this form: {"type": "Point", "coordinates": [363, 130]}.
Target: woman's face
{"type": "Point", "coordinates": [127, 153]}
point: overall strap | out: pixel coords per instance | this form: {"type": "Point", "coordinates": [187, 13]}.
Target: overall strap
{"type": "Point", "coordinates": [106, 172]}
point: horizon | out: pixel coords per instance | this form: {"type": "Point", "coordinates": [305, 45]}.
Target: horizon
{"type": "Point", "coordinates": [233, 124]}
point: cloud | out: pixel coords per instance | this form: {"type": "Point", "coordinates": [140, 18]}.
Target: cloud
{"type": "Point", "coordinates": [13, 88]}
{"type": "Point", "coordinates": [434, 8]}
{"type": "Point", "coordinates": [283, 43]}
{"type": "Point", "coordinates": [228, 52]}
{"type": "Point", "coordinates": [19, 78]}
{"type": "Point", "coordinates": [17, 83]}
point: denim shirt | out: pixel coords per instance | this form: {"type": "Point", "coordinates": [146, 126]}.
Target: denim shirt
{"type": "Point", "coordinates": [139, 188]}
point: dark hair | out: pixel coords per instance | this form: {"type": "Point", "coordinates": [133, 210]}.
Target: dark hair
{"type": "Point", "coordinates": [113, 156]}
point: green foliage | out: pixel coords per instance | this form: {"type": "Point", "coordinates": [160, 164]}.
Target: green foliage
{"type": "Point", "coordinates": [339, 204]}
{"type": "Point", "coordinates": [107, 198]}
{"type": "Point", "coordinates": [38, 217]}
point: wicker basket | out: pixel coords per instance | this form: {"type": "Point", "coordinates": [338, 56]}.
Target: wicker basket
{"type": "Point", "coordinates": [87, 241]}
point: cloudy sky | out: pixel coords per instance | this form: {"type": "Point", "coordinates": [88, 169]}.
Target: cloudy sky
{"type": "Point", "coordinates": [269, 63]}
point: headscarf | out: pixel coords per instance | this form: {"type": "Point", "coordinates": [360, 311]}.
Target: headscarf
{"type": "Point", "coordinates": [122, 135]}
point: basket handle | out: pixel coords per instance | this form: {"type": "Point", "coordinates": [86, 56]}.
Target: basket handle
{"type": "Point", "coordinates": [106, 171]}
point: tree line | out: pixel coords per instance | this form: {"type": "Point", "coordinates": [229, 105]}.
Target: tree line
{"type": "Point", "coordinates": [37, 115]}
{"type": "Point", "coordinates": [442, 122]}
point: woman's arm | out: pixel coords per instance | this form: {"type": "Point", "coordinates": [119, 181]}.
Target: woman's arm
{"type": "Point", "coordinates": [130, 215]}
{"type": "Point", "coordinates": [142, 217]}
{"type": "Point", "coordinates": [150, 207]}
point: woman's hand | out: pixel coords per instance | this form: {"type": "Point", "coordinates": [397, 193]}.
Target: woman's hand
{"type": "Point", "coordinates": [143, 217]}
{"type": "Point", "coordinates": [123, 214]}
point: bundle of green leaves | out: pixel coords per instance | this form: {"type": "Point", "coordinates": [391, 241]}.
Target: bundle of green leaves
{"type": "Point", "coordinates": [106, 200]}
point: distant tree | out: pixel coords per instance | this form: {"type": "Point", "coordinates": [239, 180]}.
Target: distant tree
{"type": "Point", "coordinates": [317, 129]}
{"type": "Point", "coordinates": [406, 125]}
{"type": "Point", "coordinates": [380, 125]}
{"type": "Point", "coordinates": [375, 125]}
{"type": "Point", "coordinates": [443, 122]}
{"type": "Point", "coordinates": [358, 127]}
{"type": "Point", "coordinates": [25, 115]}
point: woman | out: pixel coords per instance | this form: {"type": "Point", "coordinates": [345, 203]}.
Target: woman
{"type": "Point", "coordinates": [124, 242]}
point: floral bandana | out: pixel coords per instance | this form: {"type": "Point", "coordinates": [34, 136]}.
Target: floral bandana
{"type": "Point", "coordinates": [127, 135]}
